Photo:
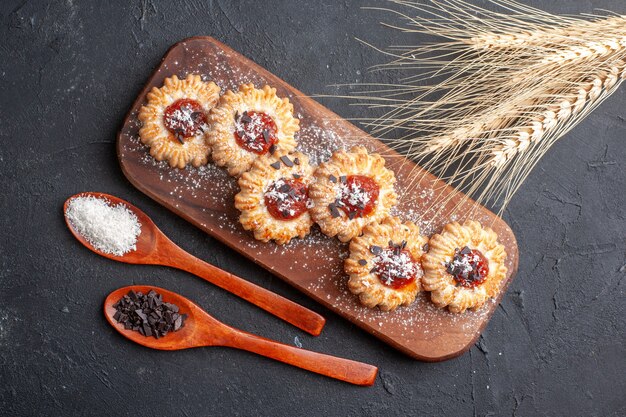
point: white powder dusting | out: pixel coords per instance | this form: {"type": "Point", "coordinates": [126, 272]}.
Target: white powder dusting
{"type": "Point", "coordinates": [279, 193]}
{"type": "Point", "coordinates": [184, 120]}
{"type": "Point", "coordinates": [354, 194]}
{"type": "Point", "coordinates": [250, 127]}
{"type": "Point", "coordinates": [111, 229]}
{"type": "Point", "coordinates": [395, 265]}
{"type": "Point", "coordinates": [319, 141]}
{"type": "Point", "coordinates": [463, 264]}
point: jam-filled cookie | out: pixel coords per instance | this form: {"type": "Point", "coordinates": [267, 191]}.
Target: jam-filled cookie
{"type": "Point", "coordinates": [464, 266]}
{"type": "Point", "coordinates": [274, 197]}
{"type": "Point", "coordinates": [384, 264]}
{"type": "Point", "coordinates": [248, 124]}
{"type": "Point", "coordinates": [175, 120]}
{"type": "Point", "coordinates": [351, 190]}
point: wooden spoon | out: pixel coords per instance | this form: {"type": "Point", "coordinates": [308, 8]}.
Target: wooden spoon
{"type": "Point", "coordinates": [154, 248]}
{"type": "Point", "coordinates": [201, 329]}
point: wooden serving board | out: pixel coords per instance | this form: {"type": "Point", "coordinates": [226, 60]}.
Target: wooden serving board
{"type": "Point", "coordinates": [313, 265]}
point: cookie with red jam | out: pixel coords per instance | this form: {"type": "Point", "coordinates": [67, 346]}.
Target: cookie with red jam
{"type": "Point", "coordinates": [464, 266]}
{"type": "Point", "coordinates": [351, 190]}
{"type": "Point", "coordinates": [274, 197]}
{"type": "Point", "coordinates": [174, 120]}
{"type": "Point", "coordinates": [384, 264]}
{"type": "Point", "coordinates": [248, 124]}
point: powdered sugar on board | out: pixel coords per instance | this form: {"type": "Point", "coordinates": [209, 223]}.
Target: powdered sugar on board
{"type": "Point", "coordinates": [314, 264]}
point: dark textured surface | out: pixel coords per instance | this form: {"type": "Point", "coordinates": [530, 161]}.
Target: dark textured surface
{"type": "Point", "coordinates": [68, 73]}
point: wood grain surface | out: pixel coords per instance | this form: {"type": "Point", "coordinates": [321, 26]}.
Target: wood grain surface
{"type": "Point", "coordinates": [313, 265]}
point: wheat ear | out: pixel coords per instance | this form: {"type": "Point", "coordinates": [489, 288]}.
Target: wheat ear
{"type": "Point", "coordinates": [566, 111]}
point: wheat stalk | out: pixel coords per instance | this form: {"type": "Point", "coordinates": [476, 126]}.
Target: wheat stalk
{"type": "Point", "coordinates": [556, 116]}
{"type": "Point", "coordinates": [576, 32]}
{"type": "Point", "coordinates": [506, 85]}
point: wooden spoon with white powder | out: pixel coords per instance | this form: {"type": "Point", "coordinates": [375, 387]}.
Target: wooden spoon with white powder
{"type": "Point", "coordinates": [117, 230]}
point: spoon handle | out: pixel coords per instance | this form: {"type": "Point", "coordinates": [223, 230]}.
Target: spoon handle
{"type": "Point", "coordinates": [347, 370]}
{"type": "Point", "coordinates": [291, 312]}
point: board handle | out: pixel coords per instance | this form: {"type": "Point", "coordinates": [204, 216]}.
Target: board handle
{"type": "Point", "coordinates": [287, 310]}
{"type": "Point", "coordinates": [347, 370]}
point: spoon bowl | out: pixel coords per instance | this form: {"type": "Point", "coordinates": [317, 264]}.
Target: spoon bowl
{"type": "Point", "coordinates": [194, 332]}
{"type": "Point", "coordinates": [154, 248]}
{"type": "Point", "coordinates": [201, 329]}
{"type": "Point", "coordinates": [147, 241]}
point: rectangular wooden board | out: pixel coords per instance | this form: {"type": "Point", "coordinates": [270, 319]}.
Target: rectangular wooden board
{"type": "Point", "coordinates": [314, 265]}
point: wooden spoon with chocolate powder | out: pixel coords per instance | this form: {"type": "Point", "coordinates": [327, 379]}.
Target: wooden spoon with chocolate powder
{"type": "Point", "coordinates": [154, 248]}
{"type": "Point", "coordinates": [201, 329]}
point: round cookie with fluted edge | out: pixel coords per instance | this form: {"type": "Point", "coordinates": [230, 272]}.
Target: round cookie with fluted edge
{"type": "Point", "coordinates": [351, 190]}
{"type": "Point", "coordinates": [274, 200]}
{"type": "Point", "coordinates": [248, 124]}
{"type": "Point", "coordinates": [384, 264]}
{"type": "Point", "coordinates": [464, 266]}
{"type": "Point", "coordinates": [174, 120]}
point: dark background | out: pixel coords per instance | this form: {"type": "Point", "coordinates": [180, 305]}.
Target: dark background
{"type": "Point", "coordinates": [69, 71]}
